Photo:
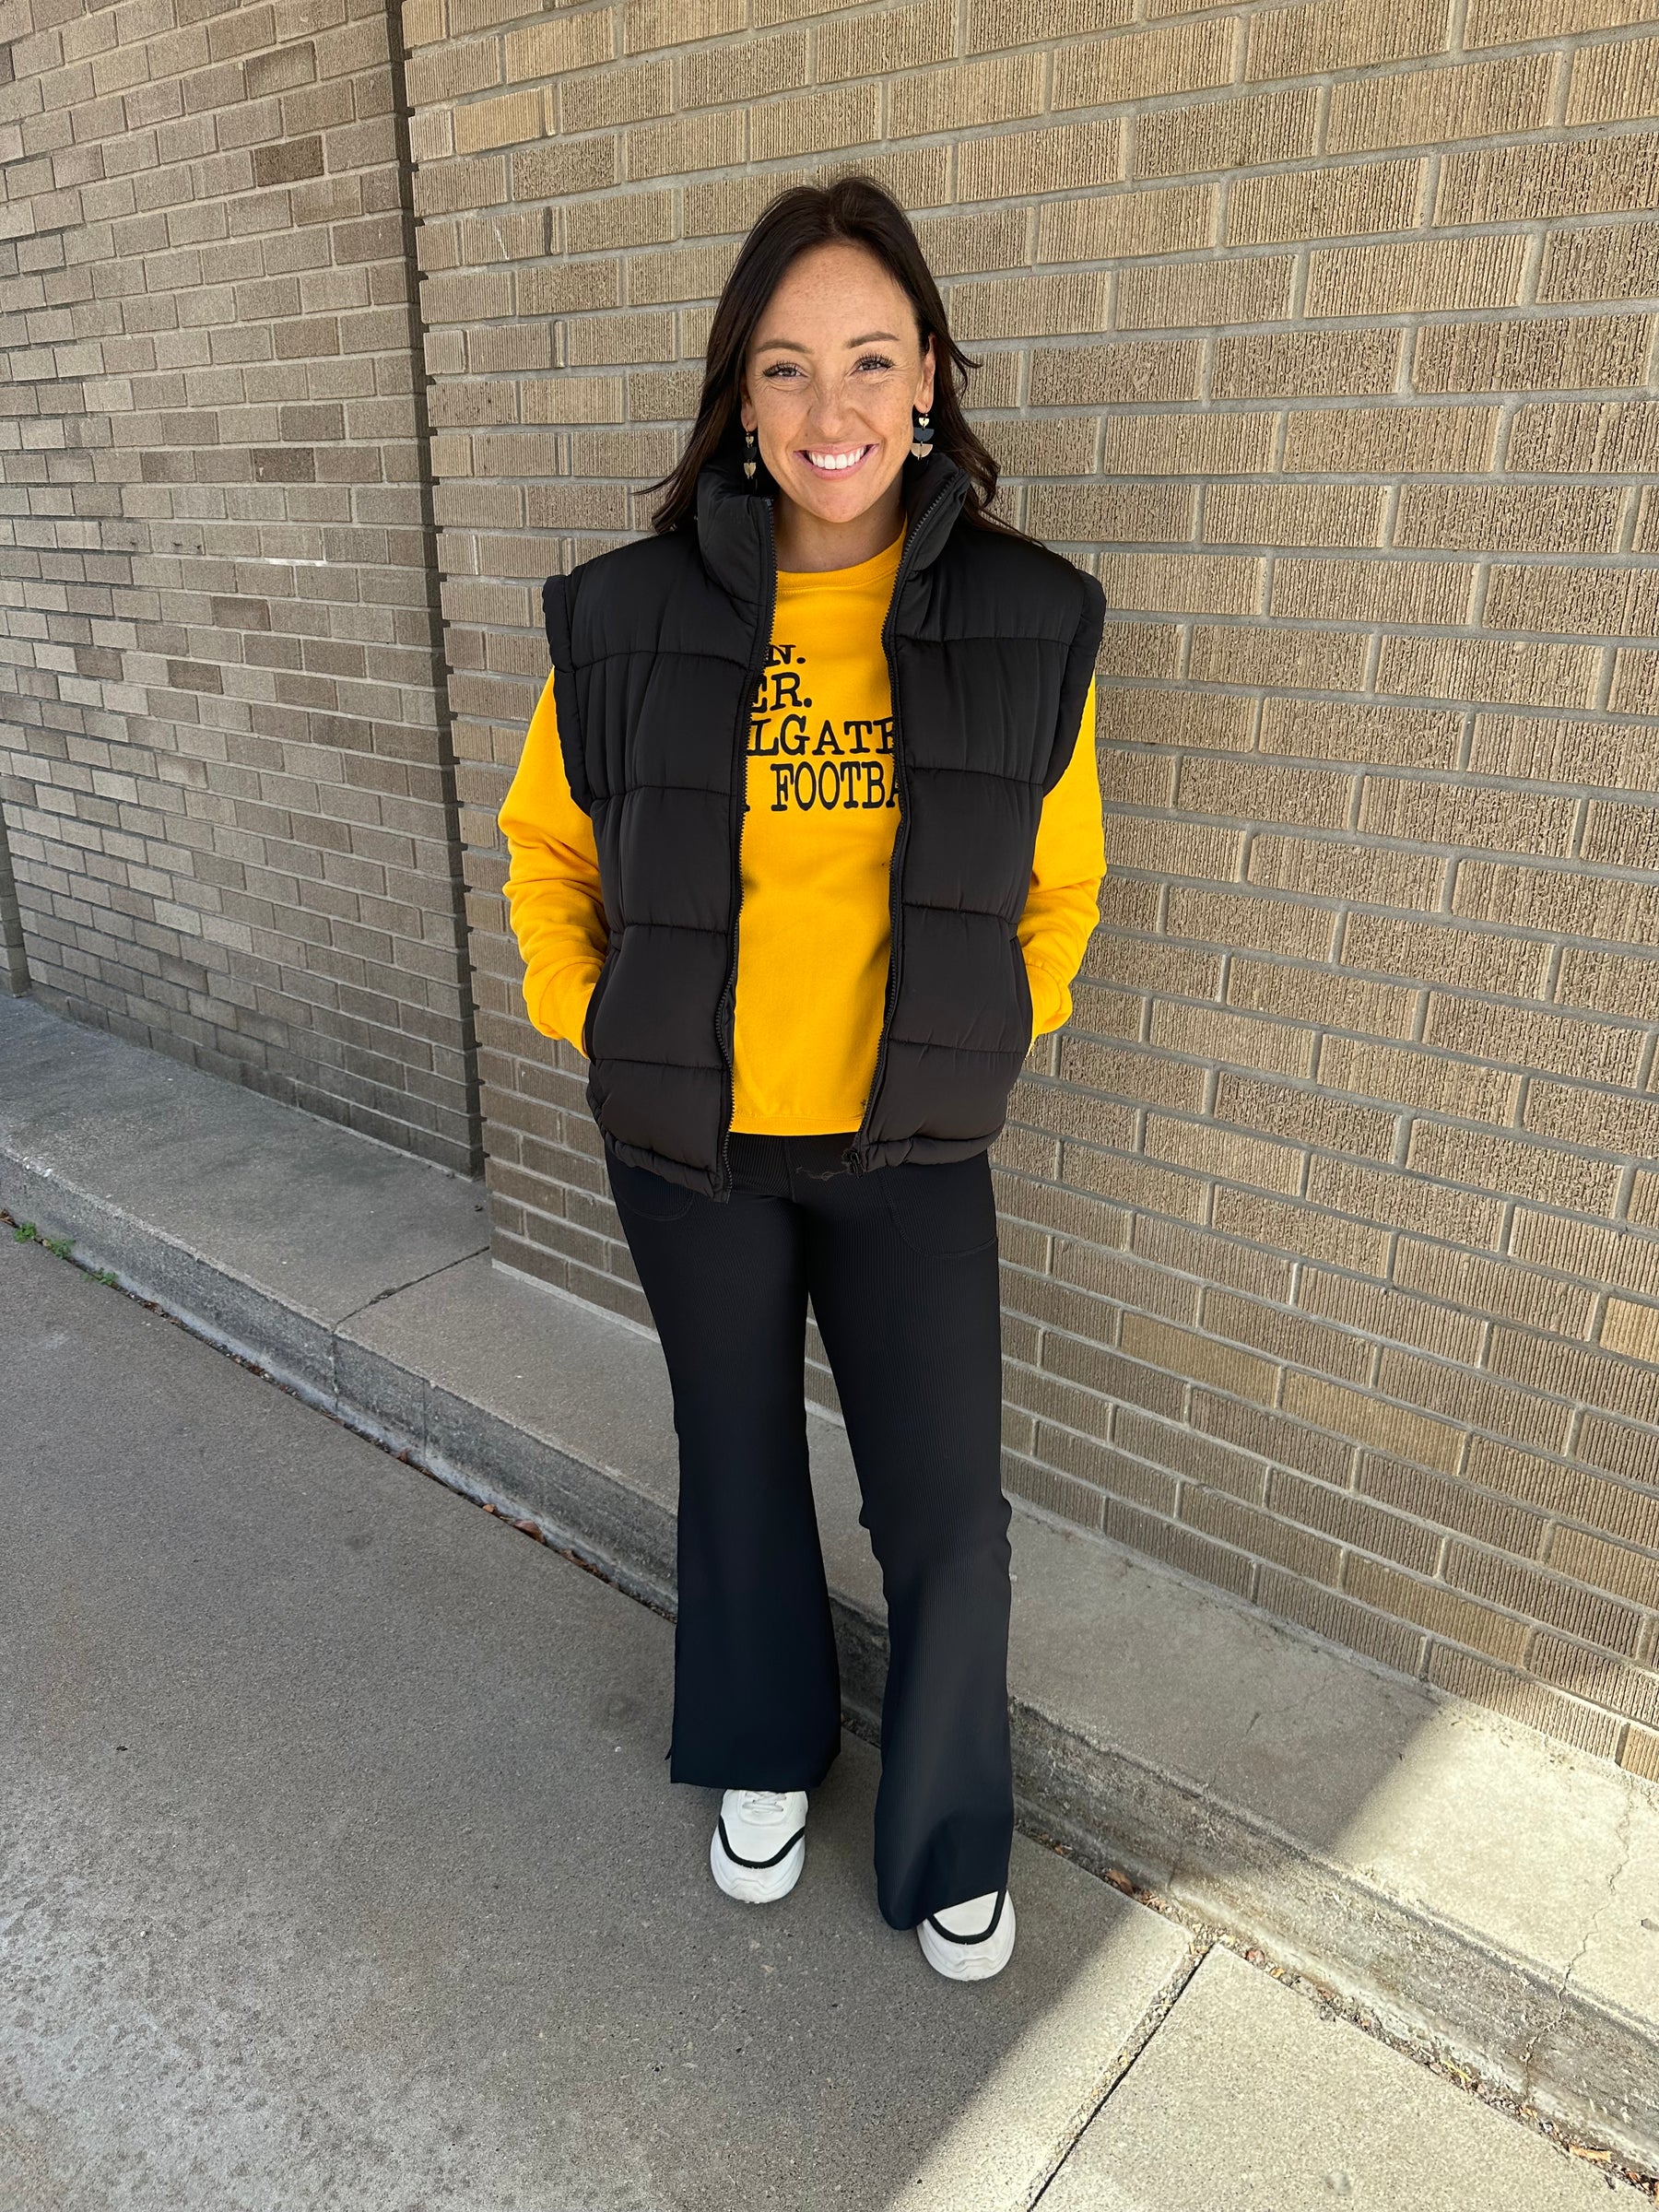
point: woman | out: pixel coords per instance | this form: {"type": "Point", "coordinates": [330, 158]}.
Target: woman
{"type": "Point", "coordinates": [830, 691]}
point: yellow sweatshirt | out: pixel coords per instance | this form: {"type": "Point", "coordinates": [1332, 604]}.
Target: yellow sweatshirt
{"type": "Point", "coordinates": [815, 853]}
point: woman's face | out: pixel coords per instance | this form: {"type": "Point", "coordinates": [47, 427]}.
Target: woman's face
{"type": "Point", "coordinates": [833, 372]}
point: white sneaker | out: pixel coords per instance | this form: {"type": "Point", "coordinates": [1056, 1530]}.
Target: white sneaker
{"type": "Point", "coordinates": [971, 1942]}
{"type": "Point", "coordinates": [760, 1844]}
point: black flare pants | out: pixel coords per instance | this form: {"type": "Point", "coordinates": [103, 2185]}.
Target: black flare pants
{"type": "Point", "coordinates": [900, 1264]}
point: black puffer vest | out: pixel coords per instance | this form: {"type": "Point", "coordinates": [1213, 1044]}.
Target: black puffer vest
{"type": "Point", "coordinates": [659, 650]}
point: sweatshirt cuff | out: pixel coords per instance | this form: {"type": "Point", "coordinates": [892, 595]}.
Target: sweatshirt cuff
{"type": "Point", "coordinates": [1050, 998]}
{"type": "Point", "coordinates": [557, 1002]}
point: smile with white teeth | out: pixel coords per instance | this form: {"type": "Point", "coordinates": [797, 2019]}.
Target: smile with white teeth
{"type": "Point", "coordinates": [838, 461]}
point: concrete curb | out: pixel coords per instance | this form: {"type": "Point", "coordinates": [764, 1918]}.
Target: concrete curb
{"type": "Point", "coordinates": [1328, 1887]}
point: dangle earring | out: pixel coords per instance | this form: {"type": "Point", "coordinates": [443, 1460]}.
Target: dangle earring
{"type": "Point", "coordinates": [921, 435]}
{"type": "Point", "coordinates": [750, 449]}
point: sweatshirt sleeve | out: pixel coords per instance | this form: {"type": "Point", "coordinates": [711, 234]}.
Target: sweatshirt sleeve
{"type": "Point", "coordinates": [1067, 868]}
{"type": "Point", "coordinates": [552, 889]}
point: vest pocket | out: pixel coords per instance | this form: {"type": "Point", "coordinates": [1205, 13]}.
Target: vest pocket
{"type": "Point", "coordinates": [600, 980]}
{"type": "Point", "coordinates": [1022, 993]}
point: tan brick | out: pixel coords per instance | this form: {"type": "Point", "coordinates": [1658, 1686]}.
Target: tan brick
{"type": "Point", "coordinates": [1293, 514]}
{"type": "Point", "coordinates": [596, 100]}
{"type": "Point", "coordinates": [966, 94]}
{"type": "Point", "coordinates": [1468, 816]}
{"type": "Point", "coordinates": [1307, 1234]}
{"type": "Point", "coordinates": [1313, 996]}
{"type": "Point", "coordinates": [572, 399]}
{"type": "Point", "coordinates": [1523, 1039]}
{"type": "Point", "coordinates": [901, 37]}
{"type": "Point", "coordinates": [1495, 1286]}
{"type": "Point", "coordinates": [1143, 650]}
{"type": "Point", "coordinates": [1607, 602]}
{"type": "Point", "coordinates": [1550, 178]}
{"type": "Point", "coordinates": [1324, 590]}
{"type": "Point", "coordinates": [1570, 904]}
{"type": "Point", "coordinates": [1340, 730]}
{"type": "Point", "coordinates": [632, 220]}
{"type": "Point", "coordinates": [1615, 83]}
{"type": "Point", "coordinates": [1525, 517]}
{"type": "Point", "coordinates": [1062, 158]}
{"type": "Point", "coordinates": [1305, 1117]}
{"type": "Point", "coordinates": [1347, 870]}
{"type": "Point", "coordinates": [690, 273]}
{"type": "Point", "coordinates": [1439, 953]}
{"type": "Point", "coordinates": [1382, 1071]}
{"type": "Point", "coordinates": [1061, 446]}
{"type": "Point", "coordinates": [1029, 306]}
{"type": "Point", "coordinates": [548, 172]}
{"type": "Point", "coordinates": [1182, 717]}
{"type": "Point", "coordinates": [1355, 1523]}
{"type": "Point", "coordinates": [1180, 583]}
{"type": "Point", "coordinates": [1247, 920]}
{"type": "Point", "coordinates": [1496, 670]}
{"type": "Point", "coordinates": [1208, 444]}
{"type": "Point", "coordinates": [1255, 289]}
{"type": "Point", "coordinates": [1633, 1575]}
{"type": "Point", "coordinates": [1390, 441]}
{"type": "Point", "coordinates": [1631, 1453]}
{"type": "Point", "coordinates": [1312, 797]}
{"type": "Point", "coordinates": [1601, 1119]}
{"type": "Point", "coordinates": [1416, 277]}
{"type": "Point", "coordinates": [1208, 1032]}
{"type": "Point", "coordinates": [1314, 659]}
{"type": "Point", "coordinates": [976, 245]}
{"type": "Point", "coordinates": [1224, 135]}
{"type": "Point", "coordinates": [1133, 1183]}
{"type": "Point", "coordinates": [1286, 208]}
{"type": "Point", "coordinates": [1621, 1386]}
{"type": "Point", "coordinates": [1499, 1163]}
{"type": "Point", "coordinates": [1207, 1150]}
{"type": "Point", "coordinates": [1611, 982]}
{"type": "Point", "coordinates": [816, 121]}
{"type": "Point", "coordinates": [1390, 1315]}
{"type": "Point", "coordinates": [685, 144]}
{"type": "Point", "coordinates": [1124, 225]}
{"type": "Point", "coordinates": [1427, 107]}
{"type": "Point", "coordinates": [1541, 353]}
{"type": "Point", "coordinates": [1262, 1533]}
{"type": "Point", "coordinates": [1509, 22]}
{"type": "Point", "coordinates": [481, 123]}
{"type": "Point", "coordinates": [1341, 34]}
{"type": "Point", "coordinates": [995, 24]}
{"type": "Point", "coordinates": [606, 341]}
{"type": "Point", "coordinates": [1519, 1699]}
{"type": "Point", "coordinates": [1639, 1754]}
{"type": "Point", "coordinates": [1135, 371]}
{"type": "Point", "coordinates": [1141, 64]}
{"type": "Point", "coordinates": [1577, 437]}
{"type": "Point", "coordinates": [1373, 1422]}
{"type": "Point", "coordinates": [1271, 1436]}
{"type": "Point", "coordinates": [1176, 848]}
{"type": "Point", "coordinates": [1329, 1615]}
{"type": "Point", "coordinates": [1625, 1689]}
{"type": "Point", "coordinates": [1201, 1358]}
{"type": "Point", "coordinates": [1635, 682]}
{"type": "Point", "coordinates": [1387, 1196]}
{"type": "Point", "coordinates": [548, 49]}
{"type": "Point", "coordinates": [1133, 515]}
{"type": "Point", "coordinates": [649, 24]}
{"type": "Point", "coordinates": [742, 70]}
{"type": "Point", "coordinates": [1623, 836]}
{"type": "Point", "coordinates": [1632, 1329]}
{"type": "Point", "coordinates": [1605, 754]}
{"type": "Point", "coordinates": [1305, 363]}
{"type": "Point", "coordinates": [553, 288]}
{"type": "Point", "coordinates": [1610, 261]}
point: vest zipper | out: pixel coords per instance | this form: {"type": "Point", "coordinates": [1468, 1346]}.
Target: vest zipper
{"type": "Point", "coordinates": [856, 1157]}
{"type": "Point", "coordinates": [726, 1027]}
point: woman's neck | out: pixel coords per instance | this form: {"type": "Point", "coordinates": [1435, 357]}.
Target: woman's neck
{"type": "Point", "coordinates": [805, 542]}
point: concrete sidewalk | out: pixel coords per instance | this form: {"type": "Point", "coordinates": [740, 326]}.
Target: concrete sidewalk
{"type": "Point", "coordinates": [1483, 1891]}
{"type": "Point", "coordinates": [341, 1869]}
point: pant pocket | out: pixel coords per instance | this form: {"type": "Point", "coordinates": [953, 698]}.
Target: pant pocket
{"type": "Point", "coordinates": [643, 1192]}
{"type": "Point", "coordinates": [942, 1208]}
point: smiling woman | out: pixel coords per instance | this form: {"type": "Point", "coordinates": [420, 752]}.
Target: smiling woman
{"type": "Point", "coordinates": [835, 695]}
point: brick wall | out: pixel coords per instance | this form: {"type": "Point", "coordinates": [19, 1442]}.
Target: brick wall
{"type": "Point", "coordinates": [13, 964]}
{"type": "Point", "coordinates": [1324, 334]}
{"type": "Point", "coordinates": [223, 747]}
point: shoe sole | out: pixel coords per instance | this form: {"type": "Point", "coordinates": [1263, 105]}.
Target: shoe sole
{"type": "Point", "coordinates": [756, 1885]}
{"type": "Point", "coordinates": [969, 1961]}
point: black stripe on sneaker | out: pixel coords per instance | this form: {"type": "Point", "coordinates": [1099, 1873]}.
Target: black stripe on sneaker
{"type": "Point", "coordinates": [758, 1865]}
{"type": "Point", "coordinates": [985, 1934]}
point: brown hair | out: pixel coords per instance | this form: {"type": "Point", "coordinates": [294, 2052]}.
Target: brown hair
{"type": "Point", "coordinates": [857, 210]}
